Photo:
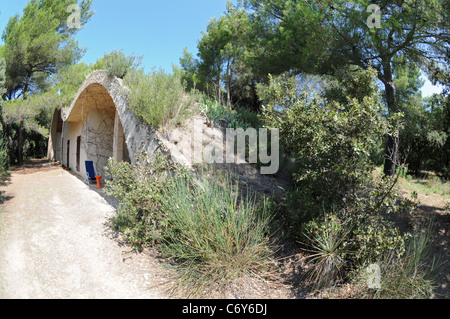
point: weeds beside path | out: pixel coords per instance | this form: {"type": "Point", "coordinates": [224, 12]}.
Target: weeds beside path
{"type": "Point", "coordinates": [55, 242]}
{"type": "Point", "coordinates": [434, 197]}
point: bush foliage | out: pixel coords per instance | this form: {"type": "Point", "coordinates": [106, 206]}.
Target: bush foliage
{"type": "Point", "coordinates": [158, 98]}
{"type": "Point", "coordinates": [217, 235]}
{"type": "Point", "coordinates": [330, 141]}
{"type": "Point", "coordinates": [138, 187]}
{"type": "Point", "coordinates": [338, 208]}
{"type": "Point", "coordinates": [117, 64]}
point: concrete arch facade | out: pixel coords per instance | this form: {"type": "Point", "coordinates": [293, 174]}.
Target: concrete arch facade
{"type": "Point", "coordinates": [99, 125]}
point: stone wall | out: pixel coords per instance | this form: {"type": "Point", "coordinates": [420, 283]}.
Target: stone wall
{"type": "Point", "coordinates": [97, 138]}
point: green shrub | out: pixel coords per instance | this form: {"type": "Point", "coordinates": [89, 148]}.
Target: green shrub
{"type": "Point", "coordinates": [331, 143]}
{"type": "Point", "coordinates": [4, 156]}
{"type": "Point", "coordinates": [158, 98]}
{"type": "Point", "coordinates": [337, 208]}
{"type": "Point", "coordinates": [117, 64]}
{"type": "Point", "coordinates": [215, 235]}
{"type": "Point", "coordinates": [373, 236]}
{"type": "Point", "coordinates": [402, 171]}
{"type": "Point", "coordinates": [249, 117]}
{"type": "Point", "coordinates": [341, 242]}
{"type": "Point", "coordinates": [409, 275]}
{"type": "Point", "coordinates": [139, 189]}
{"type": "Point", "coordinates": [240, 117]}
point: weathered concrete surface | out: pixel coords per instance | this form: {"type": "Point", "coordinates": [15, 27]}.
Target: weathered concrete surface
{"type": "Point", "coordinates": [98, 138]}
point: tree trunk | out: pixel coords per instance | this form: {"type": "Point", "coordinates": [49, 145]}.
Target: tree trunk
{"type": "Point", "coordinates": [12, 153]}
{"type": "Point", "coordinates": [391, 155]}
{"type": "Point", "coordinates": [20, 139]}
{"type": "Point", "coordinates": [219, 90]}
{"type": "Point", "coordinates": [391, 150]}
{"type": "Point", "coordinates": [228, 95]}
{"type": "Point", "coordinates": [228, 85]}
{"type": "Point", "coordinates": [256, 107]}
{"type": "Point", "coordinates": [20, 144]}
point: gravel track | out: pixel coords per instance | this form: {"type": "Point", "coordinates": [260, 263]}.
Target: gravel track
{"type": "Point", "coordinates": [56, 243]}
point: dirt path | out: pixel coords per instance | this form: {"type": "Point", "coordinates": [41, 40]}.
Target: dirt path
{"type": "Point", "coordinates": [55, 242]}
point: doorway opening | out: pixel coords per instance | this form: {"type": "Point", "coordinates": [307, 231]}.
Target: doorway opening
{"type": "Point", "coordinates": [78, 152]}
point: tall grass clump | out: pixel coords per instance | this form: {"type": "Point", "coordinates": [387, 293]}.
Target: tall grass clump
{"type": "Point", "coordinates": [410, 275]}
{"type": "Point", "coordinates": [158, 98]}
{"type": "Point", "coordinates": [217, 237]}
{"type": "Point", "coordinates": [138, 188]}
{"type": "Point", "coordinates": [327, 248]}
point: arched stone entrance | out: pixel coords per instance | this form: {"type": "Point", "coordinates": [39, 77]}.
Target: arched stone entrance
{"type": "Point", "coordinates": [93, 131]}
{"type": "Point", "coordinates": [99, 125]}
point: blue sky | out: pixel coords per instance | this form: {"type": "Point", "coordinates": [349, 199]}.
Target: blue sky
{"type": "Point", "coordinates": [156, 29]}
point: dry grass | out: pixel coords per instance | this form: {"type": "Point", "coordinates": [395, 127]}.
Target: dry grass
{"type": "Point", "coordinates": [431, 190]}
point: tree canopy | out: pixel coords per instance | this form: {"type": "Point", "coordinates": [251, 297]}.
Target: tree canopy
{"type": "Point", "coordinates": [39, 43]}
{"type": "Point", "coordinates": [256, 38]}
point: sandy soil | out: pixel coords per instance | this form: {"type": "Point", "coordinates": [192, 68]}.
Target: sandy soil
{"type": "Point", "coordinates": [432, 209]}
{"type": "Point", "coordinates": [56, 243]}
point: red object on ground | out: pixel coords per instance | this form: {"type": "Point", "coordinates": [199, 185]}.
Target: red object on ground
{"type": "Point", "coordinates": [99, 178]}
